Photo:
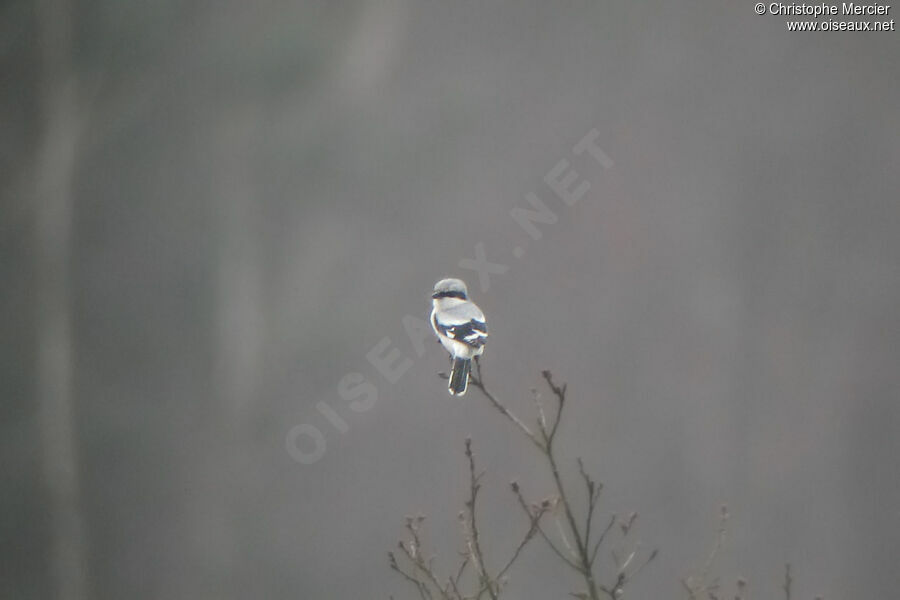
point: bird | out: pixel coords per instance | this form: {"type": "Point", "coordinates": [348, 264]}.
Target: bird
{"type": "Point", "coordinates": [460, 327]}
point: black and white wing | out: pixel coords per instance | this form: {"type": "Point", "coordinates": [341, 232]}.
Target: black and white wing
{"type": "Point", "coordinates": [464, 324]}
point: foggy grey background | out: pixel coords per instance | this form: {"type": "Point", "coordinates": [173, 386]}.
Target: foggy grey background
{"type": "Point", "coordinates": [255, 194]}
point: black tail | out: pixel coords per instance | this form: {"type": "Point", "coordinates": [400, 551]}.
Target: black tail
{"type": "Point", "coordinates": [459, 376]}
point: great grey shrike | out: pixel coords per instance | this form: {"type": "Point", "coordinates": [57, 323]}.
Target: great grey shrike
{"type": "Point", "coordinates": [460, 327]}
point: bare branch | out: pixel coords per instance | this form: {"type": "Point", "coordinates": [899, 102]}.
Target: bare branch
{"type": "Point", "coordinates": [560, 393]}
{"type": "Point", "coordinates": [539, 406]}
{"type": "Point", "coordinates": [564, 537]}
{"type": "Point", "coordinates": [476, 553]}
{"type": "Point", "coordinates": [478, 382]}
{"type": "Point", "coordinates": [593, 494]}
{"type": "Point", "coordinates": [720, 539]}
{"type": "Point", "coordinates": [542, 533]}
{"type": "Point", "coordinates": [697, 585]}
{"type": "Point", "coordinates": [612, 521]}
{"type": "Point", "coordinates": [459, 573]}
{"type": "Point", "coordinates": [419, 585]}
{"type": "Point", "coordinates": [575, 531]}
{"type": "Point", "coordinates": [532, 529]}
{"type": "Point", "coordinates": [420, 564]}
{"type": "Point", "coordinates": [633, 574]}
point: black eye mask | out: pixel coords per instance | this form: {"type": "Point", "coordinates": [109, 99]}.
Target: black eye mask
{"type": "Point", "coordinates": [451, 294]}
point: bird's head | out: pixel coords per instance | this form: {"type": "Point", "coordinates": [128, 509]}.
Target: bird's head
{"type": "Point", "coordinates": [450, 288]}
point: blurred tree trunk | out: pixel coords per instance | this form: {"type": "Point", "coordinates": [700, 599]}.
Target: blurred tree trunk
{"type": "Point", "coordinates": [53, 176]}
{"type": "Point", "coordinates": [238, 331]}
{"type": "Point", "coordinates": [239, 314]}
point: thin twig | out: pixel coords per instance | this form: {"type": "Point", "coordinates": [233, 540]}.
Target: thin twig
{"type": "Point", "coordinates": [584, 558]}
{"type": "Point", "coordinates": [459, 573]}
{"type": "Point", "coordinates": [612, 521]}
{"type": "Point", "coordinates": [593, 493]}
{"type": "Point", "coordinates": [697, 585]}
{"type": "Point", "coordinates": [542, 418]}
{"type": "Point", "coordinates": [478, 382]}
{"type": "Point", "coordinates": [720, 539]}
{"type": "Point", "coordinates": [477, 555]}
{"type": "Point", "coordinates": [564, 538]}
{"type": "Point", "coordinates": [543, 534]}
{"type": "Point", "coordinates": [653, 555]}
{"type": "Point", "coordinates": [420, 565]}
{"type": "Point", "coordinates": [392, 560]}
{"type": "Point", "coordinates": [560, 393]}
{"type": "Point", "coordinates": [532, 529]}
